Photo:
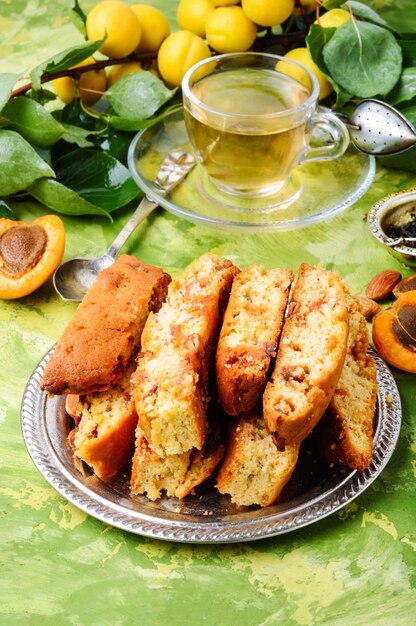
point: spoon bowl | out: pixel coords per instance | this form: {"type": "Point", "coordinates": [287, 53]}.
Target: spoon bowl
{"type": "Point", "coordinates": [74, 278]}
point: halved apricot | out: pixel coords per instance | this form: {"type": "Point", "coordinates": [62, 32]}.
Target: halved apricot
{"type": "Point", "coordinates": [394, 332]}
{"type": "Point", "coordinates": [29, 254]}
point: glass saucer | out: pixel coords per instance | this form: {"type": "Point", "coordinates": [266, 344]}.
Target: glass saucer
{"type": "Point", "coordinates": [321, 189]}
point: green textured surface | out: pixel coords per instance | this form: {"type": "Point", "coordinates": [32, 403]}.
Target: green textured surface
{"type": "Point", "coordinates": [59, 566]}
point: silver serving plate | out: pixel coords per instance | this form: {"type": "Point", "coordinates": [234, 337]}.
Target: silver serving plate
{"type": "Point", "coordinates": [315, 490]}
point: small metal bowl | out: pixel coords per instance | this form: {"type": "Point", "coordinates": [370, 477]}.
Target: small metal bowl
{"type": "Point", "coordinates": [394, 206]}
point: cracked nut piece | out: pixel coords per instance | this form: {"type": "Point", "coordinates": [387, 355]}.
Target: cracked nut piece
{"type": "Point", "coordinates": [382, 285]}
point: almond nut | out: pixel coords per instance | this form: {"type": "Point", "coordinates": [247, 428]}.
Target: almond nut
{"type": "Point", "coordinates": [382, 285]}
{"type": "Point", "coordinates": [368, 307]}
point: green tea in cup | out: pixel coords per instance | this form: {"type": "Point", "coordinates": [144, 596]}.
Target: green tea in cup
{"type": "Point", "coordinates": [250, 123]}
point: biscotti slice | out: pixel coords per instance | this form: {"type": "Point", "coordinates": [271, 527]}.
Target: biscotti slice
{"type": "Point", "coordinates": [177, 345]}
{"type": "Point", "coordinates": [254, 471]}
{"type": "Point", "coordinates": [98, 343]}
{"type": "Point", "coordinates": [175, 475]}
{"type": "Point", "coordinates": [310, 357]}
{"type": "Point", "coordinates": [345, 433]}
{"type": "Point", "coordinates": [249, 335]}
{"type": "Point", "coordinates": [105, 433]}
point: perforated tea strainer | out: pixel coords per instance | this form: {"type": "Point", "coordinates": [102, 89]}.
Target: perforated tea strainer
{"type": "Point", "coordinates": [379, 129]}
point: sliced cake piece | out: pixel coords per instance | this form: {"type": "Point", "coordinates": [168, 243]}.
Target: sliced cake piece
{"type": "Point", "coordinates": [254, 471]}
{"type": "Point", "coordinates": [249, 336]}
{"type": "Point", "coordinates": [98, 343]}
{"type": "Point", "coordinates": [310, 358]}
{"type": "Point", "coordinates": [345, 433]}
{"type": "Point", "coordinates": [105, 432]}
{"type": "Point", "coordinates": [177, 345]}
{"type": "Point", "coordinates": [175, 475]}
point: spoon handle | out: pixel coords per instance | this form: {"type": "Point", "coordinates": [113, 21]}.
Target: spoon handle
{"type": "Point", "coordinates": [145, 207]}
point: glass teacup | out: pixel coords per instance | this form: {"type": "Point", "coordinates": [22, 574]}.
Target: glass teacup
{"type": "Point", "coordinates": [250, 118]}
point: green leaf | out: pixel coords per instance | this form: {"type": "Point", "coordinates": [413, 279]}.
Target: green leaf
{"type": "Point", "coordinates": [408, 47]}
{"type": "Point", "coordinates": [78, 18]}
{"type": "Point", "coordinates": [332, 4]}
{"type": "Point", "coordinates": [77, 135]}
{"type": "Point", "coordinates": [367, 13]}
{"type": "Point", "coordinates": [7, 82]}
{"type": "Point", "coordinates": [6, 210]}
{"type": "Point", "coordinates": [113, 142]}
{"type": "Point", "coordinates": [32, 121]}
{"type": "Point", "coordinates": [63, 61]}
{"type": "Point", "coordinates": [97, 177]}
{"type": "Point", "coordinates": [139, 95]}
{"type": "Point", "coordinates": [121, 123]}
{"type": "Point", "coordinates": [20, 165]}
{"type": "Point", "coordinates": [61, 199]}
{"type": "Point", "coordinates": [406, 87]}
{"type": "Point", "coordinates": [364, 59]}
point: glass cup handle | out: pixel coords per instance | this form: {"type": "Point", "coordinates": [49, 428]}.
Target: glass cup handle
{"type": "Point", "coordinates": [331, 134]}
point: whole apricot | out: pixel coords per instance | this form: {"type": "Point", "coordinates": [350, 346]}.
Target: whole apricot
{"type": "Point", "coordinates": [118, 71]}
{"type": "Point", "coordinates": [29, 254]}
{"type": "Point", "coordinates": [268, 13]}
{"type": "Point", "coordinates": [228, 29]}
{"type": "Point", "coordinates": [192, 15]}
{"type": "Point", "coordinates": [154, 27]}
{"type": "Point", "coordinates": [117, 23]}
{"type": "Point", "coordinates": [333, 18]}
{"type": "Point", "coordinates": [303, 56]}
{"type": "Point", "coordinates": [178, 53]}
{"type": "Point", "coordinates": [90, 85]}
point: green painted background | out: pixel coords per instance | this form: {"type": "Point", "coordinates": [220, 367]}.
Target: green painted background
{"type": "Point", "coordinates": [58, 566]}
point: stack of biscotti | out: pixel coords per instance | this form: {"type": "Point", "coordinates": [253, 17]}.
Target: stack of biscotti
{"type": "Point", "coordinates": [92, 362]}
{"type": "Point", "coordinates": [171, 380]}
{"type": "Point", "coordinates": [262, 453]}
{"type": "Point", "coordinates": [345, 433]}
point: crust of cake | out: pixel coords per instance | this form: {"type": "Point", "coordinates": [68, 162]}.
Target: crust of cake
{"type": "Point", "coordinates": [249, 336]}
{"type": "Point", "coordinates": [345, 433]}
{"type": "Point", "coordinates": [98, 343]}
{"type": "Point", "coordinates": [177, 345]}
{"type": "Point", "coordinates": [105, 434]}
{"type": "Point", "coordinates": [310, 358]}
{"type": "Point", "coordinates": [254, 471]}
{"type": "Point", "coordinates": [175, 475]}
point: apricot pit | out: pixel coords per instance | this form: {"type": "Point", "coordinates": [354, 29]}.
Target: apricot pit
{"type": "Point", "coordinates": [29, 254]}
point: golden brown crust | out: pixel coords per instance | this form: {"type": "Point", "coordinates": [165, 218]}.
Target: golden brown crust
{"type": "Point", "coordinates": [177, 344]}
{"type": "Point", "coordinates": [310, 357]}
{"type": "Point", "coordinates": [249, 336]}
{"type": "Point", "coordinates": [105, 434]}
{"type": "Point", "coordinates": [345, 433]}
{"type": "Point", "coordinates": [254, 471]}
{"type": "Point", "coordinates": [175, 475]}
{"type": "Point", "coordinates": [98, 343]}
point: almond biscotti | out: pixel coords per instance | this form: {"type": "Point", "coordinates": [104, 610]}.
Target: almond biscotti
{"type": "Point", "coordinates": [175, 475]}
{"type": "Point", "coordinates": [249, 335]}
{"type": "Point", "coordinates": [106, 421]}
{"type": "Point", "coordinates": [345, 433]}
{"type": "Point", "coordinates": [310, 357]}
{"type": "Point", "coordinates": [177, 345]}
{"type": "Point", "coordinates": [98, 343]}
{"type": "Point", "coordinates": [254, 471]}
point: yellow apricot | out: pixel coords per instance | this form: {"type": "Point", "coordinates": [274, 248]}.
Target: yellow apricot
{"type": "Point", "coordinates": [192, 15]}
{"type": "Point", "coordinates": [178, 53]}
{"type": "Point", "coordinates": [91, 85]}
{"type": "Point", "coordinates": [29, 254]}
{"type": "Point", "coordinates": [268, 13]}
{"type": "Point", "coordinates": [154, 27]}
{"type": "Point", "coordinates": [118, 71]}
{"type": "Point", "coordinates": [228, 29]}
{"type": "Point", "coordinates": [303, 56]}
{"type": "Point", "coordinates": [333, 18]}
{"type": "Point", "coordinates": [117, 23]}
